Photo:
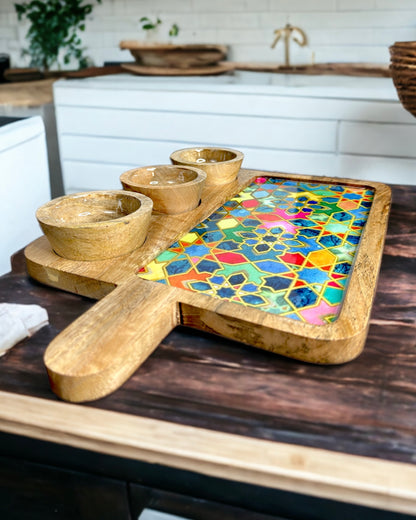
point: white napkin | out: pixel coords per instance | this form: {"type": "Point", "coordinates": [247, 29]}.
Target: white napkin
{"type": "Point", "coordinates": [18, 322]}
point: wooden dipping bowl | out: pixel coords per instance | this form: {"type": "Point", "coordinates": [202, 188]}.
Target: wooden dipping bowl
{"type": "Point", "coordinates": [220, 164]}
{"type": "Point", "coordinates": [96, 225]}
{"type": "Point", "coordinates": [173, 189]}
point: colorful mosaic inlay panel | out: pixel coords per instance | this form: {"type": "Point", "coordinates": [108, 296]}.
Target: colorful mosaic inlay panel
{"type": "Point", "coordinates": [281, 246]}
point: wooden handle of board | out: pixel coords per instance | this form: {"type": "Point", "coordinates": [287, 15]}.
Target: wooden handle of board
{"type": "Point", "coordinates": [99, 351]}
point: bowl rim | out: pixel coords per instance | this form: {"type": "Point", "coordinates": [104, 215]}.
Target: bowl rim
{"type": "Point", "coordinates": [200, 177]}
{"type": "Point", "coordinates": [239, 156]}
{"type": "Point", "coordinates": [146, 205]}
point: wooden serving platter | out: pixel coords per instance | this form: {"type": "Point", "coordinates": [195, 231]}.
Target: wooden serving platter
{"type": "Point", "coordinates": [151, 70]}
{"type": "Point", "coordinates": [286, 263]}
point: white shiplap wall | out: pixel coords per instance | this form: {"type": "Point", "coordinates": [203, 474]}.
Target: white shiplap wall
{"type": "Point", "coordinates": [338, 30]}
{"type": "Point", "coordinates": [111, 124]}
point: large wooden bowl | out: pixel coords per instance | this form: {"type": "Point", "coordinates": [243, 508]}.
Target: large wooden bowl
{"type": "Point", "coordinates": [175, 56]}
{"type": "Point", "coordinates": [173, 189]}
{"type": "Point", "coordinates": [220, 164]}
{"type": "Point", "coordinates": [96, 225]}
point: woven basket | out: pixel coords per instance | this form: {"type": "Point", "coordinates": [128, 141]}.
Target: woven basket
{"type": "Point", "coordinates": [403, 73]}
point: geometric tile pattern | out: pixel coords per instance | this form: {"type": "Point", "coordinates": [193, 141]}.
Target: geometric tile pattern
{"type": "Point", "coordinates": [281, 246]}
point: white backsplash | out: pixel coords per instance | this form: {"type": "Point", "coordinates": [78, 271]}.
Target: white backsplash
{"type": "Point", "coordinates": [338, 30]}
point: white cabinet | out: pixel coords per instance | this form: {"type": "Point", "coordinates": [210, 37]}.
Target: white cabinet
{"type": "Point", "coordinates": [335, 126]}
{"type": "Point", "coordinates": [24, 183]}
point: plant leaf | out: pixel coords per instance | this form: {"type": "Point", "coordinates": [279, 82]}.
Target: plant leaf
{"type": "Point", "coordinates": [53, 27]}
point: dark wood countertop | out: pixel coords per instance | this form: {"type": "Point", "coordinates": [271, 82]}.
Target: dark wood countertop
{"type": "Point", "coordinates": [215, 393]}
{"type": "Point", "coordinates": [39, 92]}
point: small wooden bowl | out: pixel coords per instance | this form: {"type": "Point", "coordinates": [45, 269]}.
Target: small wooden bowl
{"type": "Point", "coordinates": [96, 225]}
{"type": "Point", "coordinates": [173, 189]}
{"type": "Point", "coordinates": [220, 164]}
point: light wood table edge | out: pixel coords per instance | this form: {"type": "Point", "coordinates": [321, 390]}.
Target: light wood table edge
{"type": "Point", "coordinates": [348, 478]}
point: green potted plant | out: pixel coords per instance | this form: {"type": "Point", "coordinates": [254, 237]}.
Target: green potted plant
{"type": "Point", "coordinates": [151, 27]}
{"type": "Point", "coordinates": [54, 27]}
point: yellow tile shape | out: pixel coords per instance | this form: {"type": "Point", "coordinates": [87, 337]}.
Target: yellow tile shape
{"type": "Point", "coordinates": [228, 223]}
{"type": "Point", "coordinates": [154, 271]}
{"type": "Point", "coordinates": [189, 238]}
{"type": "Point", "coordinates": [319, 258]}
{"type": "Point", "coordinates": [243, 196]}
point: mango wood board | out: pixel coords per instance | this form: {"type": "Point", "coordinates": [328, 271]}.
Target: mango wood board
{"type": "Point", "coordinates": [104, 347]}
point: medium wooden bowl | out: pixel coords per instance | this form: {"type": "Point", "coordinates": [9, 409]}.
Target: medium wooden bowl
{"type": "Point", "coordinates": [173, 189]}
{"type": "Point", "coordinates": [96, 225]}
{"type": "Point", "coordinates": [220, 164]}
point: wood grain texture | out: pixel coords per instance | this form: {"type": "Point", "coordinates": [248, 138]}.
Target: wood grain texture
{"type": "Point", "coordinates": [103, 355]}
{"type": "Point", "coordinates": [173, 189]}
{"type": "Point", "coordinates": [83, 364]}
{"type": "Point", "coordinates": [164, 230]}
{"type": "Point", "coordinates": [177, 56]}
{"type": "Point", "coordinates": [96, 224]}
{"type": "Point", "coordinates": [319, 69]}
{"type": "Point", "coordinates": [91, 72]}
{"type": "Point", "coordinates": [27, 94]}
{"type": "Point", "coordinates": [221, 165]}
{"type": "Point", "coordinates": [281, 466]}
{"type": "Point", "coordinates": [365, 408]}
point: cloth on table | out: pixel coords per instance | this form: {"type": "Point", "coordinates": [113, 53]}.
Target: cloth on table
{"type": "Point", "coordinates": [19, 321]}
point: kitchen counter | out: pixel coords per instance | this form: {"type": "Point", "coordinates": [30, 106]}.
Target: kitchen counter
{"type": "Point", "coordinates": [27, 93]}
{"type": "Point", "coordinates": [209, 423]}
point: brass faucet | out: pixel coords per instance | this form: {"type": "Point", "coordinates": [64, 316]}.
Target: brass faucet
{"type": "Point", "coordinates": [287, 33]}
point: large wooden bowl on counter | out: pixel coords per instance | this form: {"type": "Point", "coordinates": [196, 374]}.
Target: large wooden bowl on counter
{"type": "Point", "coordinates": [175, 56]}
